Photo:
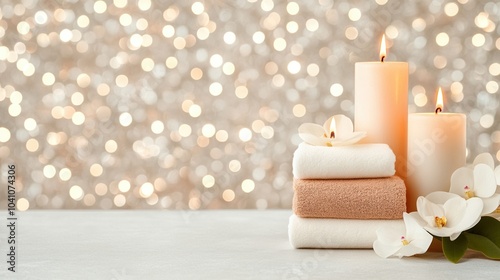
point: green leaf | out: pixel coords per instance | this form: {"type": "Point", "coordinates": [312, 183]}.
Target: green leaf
{"type": "Point", "coordinates": [485, 237]}
{"type": "Point", "coordinates": [488, 227]}
{"type": "Point", "coordinates": [482, 244]}
{"type": "Point", "coordinates": [454, 250]}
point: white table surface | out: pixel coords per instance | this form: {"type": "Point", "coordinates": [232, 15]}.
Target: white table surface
{"type": "Point", "coordinates": [222, 244]}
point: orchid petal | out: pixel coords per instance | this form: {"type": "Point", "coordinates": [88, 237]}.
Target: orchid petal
{"type": "Point", "coordinates": [484, 181]}
{"type": "Point", "coordinates": [389, 236]}
{"type": "Point", "coordinates": [421, 222]}
{"type": "Point", "coordinates": [409, 250]}
{"type": "Point", "coordinates": [311, 128]}
{"type": "Point", "coordinates": [343, 125]}
{"type": "Point", "coordinates": [411, 224]}
{"type": "Point", "coordinates": [472, 213]}
{"type": "Point", "coordinates": [328, 122]}
{"type": "Point", "coordinates": [387, 242]}
{"type": "Point", "coordinates": [313, 140]}
{"type": "Point", "coordinates": [312, 134]}
{"type": "Point", "coordinates": [384, 250]}
{"type": "Point", "coordinates": [490, 204]}
{"type": "Point", "coordinates": [421, 243]}
{"type": "Point", "coordinates": [420, 238]}
{"type": "Point", "coordinates": [459, 179]}
{"type": "Point", "coordinates": [454, 209]}
{"type": "Point", "coordinates": [455, 235]}
{"type": "Point", "coordinates": [440, 197]}
{"type": "Point", "coordinates": [416, 246]}
{"type": "Point", "coordinates": [427, 210]}
{"type": "Point", "coordinates": [441, 232]}
{"type": "Point", "coordinates": [405, 251]}
{"type": "Point", "coordinates": [471, 217]}
{"type": "Point", "coordinates": [497, 174]}
{"type": "Point", "coordinates": [484, 158]}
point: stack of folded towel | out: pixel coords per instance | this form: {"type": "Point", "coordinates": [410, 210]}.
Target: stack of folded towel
{"type": "Point", "coordinates": [342, 195]}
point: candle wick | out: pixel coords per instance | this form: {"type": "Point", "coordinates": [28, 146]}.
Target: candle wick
{"type": "Point", "coordinates": [438, 110]}
{"type": "Point", "coordinates": [382, 58]}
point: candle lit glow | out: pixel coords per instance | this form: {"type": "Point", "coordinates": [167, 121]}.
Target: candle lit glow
{"type": "Point", "coordinates": [333, 127]}
{"type": "Point", "coordinates": [439, 102]}
{"type": "Point", "coordinates": [383, 49]}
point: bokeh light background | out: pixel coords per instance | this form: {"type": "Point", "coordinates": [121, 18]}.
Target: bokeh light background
{"type": "Point", "coordinates": [195, 105]}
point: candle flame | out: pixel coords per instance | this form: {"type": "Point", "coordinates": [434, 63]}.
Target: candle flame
{"type": "Point", "coordinates": [333, 127]}
{"type": "Point", "coordinates": [383, 49]}
{"type": "Point", "coordinates": [439, 101]}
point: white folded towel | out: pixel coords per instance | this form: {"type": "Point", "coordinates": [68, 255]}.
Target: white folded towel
{"type": "Point", "coordinates": [343, 162]}
{"type": "Point", "coordinates": [336, 233]}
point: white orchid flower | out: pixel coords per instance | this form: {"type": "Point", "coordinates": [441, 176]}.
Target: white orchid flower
{"type": "Point", "coordinates": [487, 159]}
{"type": "Point", "coordinates": [392, 242]}
{"type": "Point", "coordinates": [447, 215]}
{"type": "Point", "coordinates": [336, 131]}
{"type": "Point", "coordinates": [478, 181]}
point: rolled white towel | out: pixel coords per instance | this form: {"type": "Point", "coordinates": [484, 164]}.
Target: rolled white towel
{"type": "Point", "coordinates": [343, 162]}
{"type": "Point", "coordinates": [336, 233]}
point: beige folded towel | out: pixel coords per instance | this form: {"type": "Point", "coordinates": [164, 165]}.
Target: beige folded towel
{"type": "Point", "coordinates": [336, 233]}
{"type": "Point", "coordinates": [380, 198]}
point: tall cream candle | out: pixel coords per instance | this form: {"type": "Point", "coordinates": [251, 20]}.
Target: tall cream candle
{"type": "Point", "coordinates": [436, 148]}
{"type": "Point", "coordinates": [381, 105]}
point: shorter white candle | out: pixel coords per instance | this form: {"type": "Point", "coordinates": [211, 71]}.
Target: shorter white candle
{"type": "Point", "coordinates": [436, 148]}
